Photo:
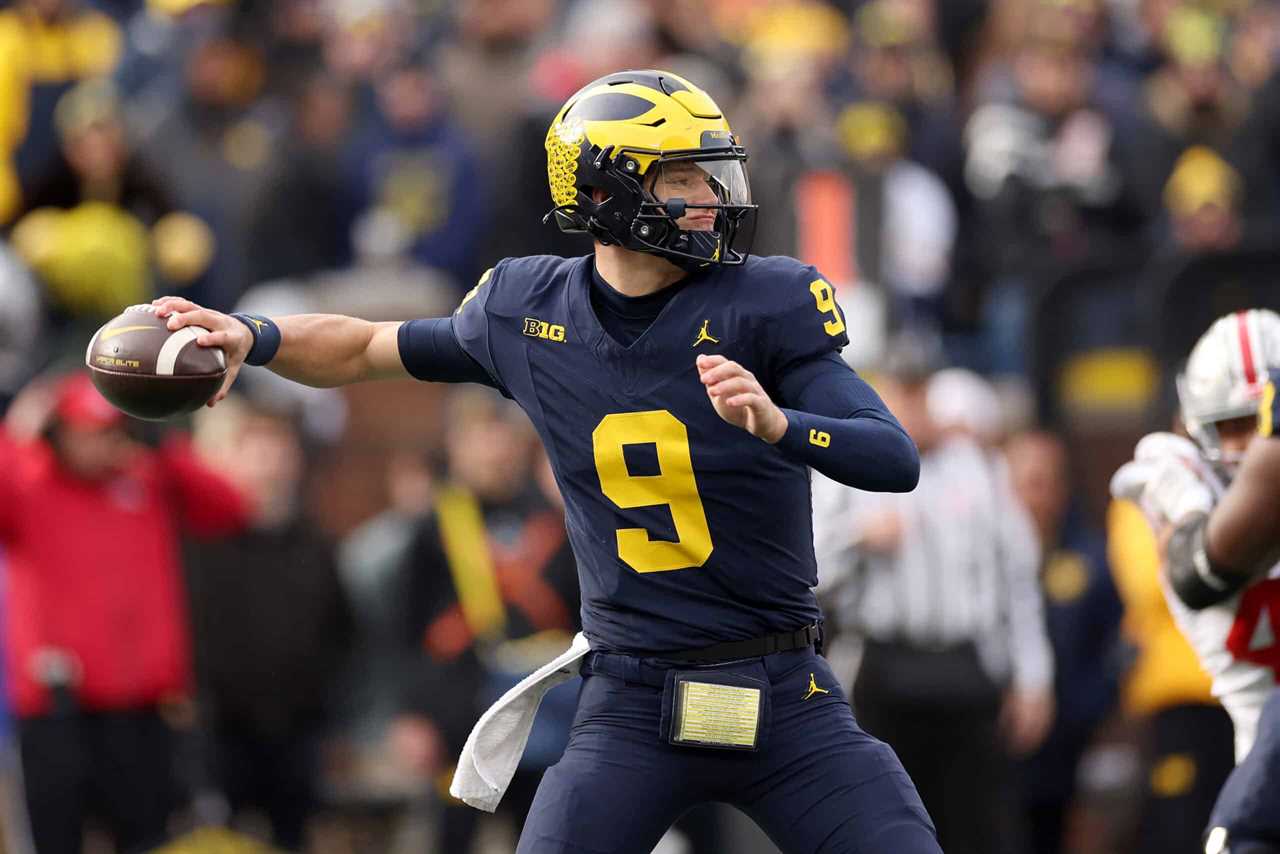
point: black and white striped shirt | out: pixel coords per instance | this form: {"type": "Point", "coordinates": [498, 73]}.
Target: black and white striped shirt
{"type": "Point", "coordinates": [966, 568]}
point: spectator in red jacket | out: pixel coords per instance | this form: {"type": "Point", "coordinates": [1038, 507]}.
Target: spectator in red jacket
{"type": "Point", "coordinates": [96, 640]}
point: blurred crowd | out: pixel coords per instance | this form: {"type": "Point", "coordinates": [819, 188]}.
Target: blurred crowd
{"type": "Point", "coordinates": [280, 618]}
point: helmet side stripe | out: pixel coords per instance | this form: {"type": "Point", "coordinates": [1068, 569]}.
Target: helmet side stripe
{"type": "Point", "coordinates": [1246, 348]}
{"type": "Point", "coordinates": [1257, 345]}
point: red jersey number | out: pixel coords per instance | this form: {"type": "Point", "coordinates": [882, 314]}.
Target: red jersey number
{"type": "Point", "coordinates": [1253, 634]}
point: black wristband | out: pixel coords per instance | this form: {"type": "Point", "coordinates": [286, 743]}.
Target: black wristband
{"type": "Point", "coordinates": [1196, 580]}
{"type": "Point", "coordinates": [266, 338]}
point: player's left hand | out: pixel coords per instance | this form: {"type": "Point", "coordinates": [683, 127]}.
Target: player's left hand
{"type": "Point", "coordinates": [1168, 479]}
{"type": "Point", "coordinates": [738, 398]}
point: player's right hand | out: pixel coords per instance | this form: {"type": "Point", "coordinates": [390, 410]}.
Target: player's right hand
{"type": "Point", "coordinates": [1168, 479]}
{"type": "Point", "coordinates": [225, 331]}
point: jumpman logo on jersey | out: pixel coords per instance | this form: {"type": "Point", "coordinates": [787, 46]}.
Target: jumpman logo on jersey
{"type": "Point", "coordinates": [814, 689]}
{"type": "Point", "coordinates": [704, 335]}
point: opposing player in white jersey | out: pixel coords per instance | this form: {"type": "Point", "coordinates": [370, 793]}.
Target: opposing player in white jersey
{"type": "Point", "coordinates": [1229, 617]}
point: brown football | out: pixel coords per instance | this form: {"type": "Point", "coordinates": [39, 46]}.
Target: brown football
{"type": "Point", "coordinates": [149, 372]}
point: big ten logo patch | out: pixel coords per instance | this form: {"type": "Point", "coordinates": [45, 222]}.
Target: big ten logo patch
{"type": "Point", "coordinates": [535, 328]}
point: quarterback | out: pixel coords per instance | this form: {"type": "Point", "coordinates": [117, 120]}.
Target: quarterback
{"type": "Point", "coordinates": [682, 388]}
{"type": "Point", "coordinates": [1217, 503]}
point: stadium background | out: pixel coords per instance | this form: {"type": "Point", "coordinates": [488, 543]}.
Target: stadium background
{"type": "Point", "coordinates": [1058, 195]}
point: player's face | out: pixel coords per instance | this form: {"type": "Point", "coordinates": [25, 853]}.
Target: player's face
{"type": "Point", "coordinates": [690, 182]}
{"type": "Point", "coordinates": [1235, 434]}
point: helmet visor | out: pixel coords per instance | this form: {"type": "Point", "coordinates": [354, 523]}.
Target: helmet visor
{"type": "Point", "coordinates": [702, 185]}
{"type": "Point", "coordinates": [709, 203]}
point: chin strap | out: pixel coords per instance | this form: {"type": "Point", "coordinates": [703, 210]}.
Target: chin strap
{"type": "Point", "coordinates": [559, 212]}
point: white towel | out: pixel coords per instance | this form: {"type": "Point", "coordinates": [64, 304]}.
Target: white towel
{"type": "Point", "coordinates": [497, 741]}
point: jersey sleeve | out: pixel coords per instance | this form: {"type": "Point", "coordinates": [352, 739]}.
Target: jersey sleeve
{"type": "Point", "coordinates": [841, 428]}
{"type": "Point", "coordinates": [430, 352]}
{"type": "Point", "coordinates": [803, 322]}
{"type": "Point", "coordinates": [472, 324]}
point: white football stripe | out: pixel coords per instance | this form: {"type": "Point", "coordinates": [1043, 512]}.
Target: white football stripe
{"type": "Point", "coordinates": [168, 356]}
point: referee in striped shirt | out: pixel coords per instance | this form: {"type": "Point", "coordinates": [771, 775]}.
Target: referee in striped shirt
{"type": "Point", "coordinates": [940, 587]}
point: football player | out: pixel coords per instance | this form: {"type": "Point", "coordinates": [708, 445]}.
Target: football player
{"type": "Point", "coordinates": [1216, 505]}
{"type": "Point", "coordinates": [682, 387]}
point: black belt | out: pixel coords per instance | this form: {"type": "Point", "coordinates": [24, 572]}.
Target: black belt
{"type": "Point", "coordinates": [753, 648]}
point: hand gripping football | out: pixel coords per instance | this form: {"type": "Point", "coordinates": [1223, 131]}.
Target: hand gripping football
{"type": "Point", "coordinates": [149, 372]}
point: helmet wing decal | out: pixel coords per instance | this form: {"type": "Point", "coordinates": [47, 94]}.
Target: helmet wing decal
{"type": "Point", "coordinates": [610, 106]}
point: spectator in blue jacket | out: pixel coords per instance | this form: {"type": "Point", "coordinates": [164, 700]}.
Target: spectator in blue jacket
{"type": "Point", "coordinates": [414, 163]}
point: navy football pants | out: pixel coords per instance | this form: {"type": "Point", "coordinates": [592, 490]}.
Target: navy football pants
{"type": "Point", "coordinates": [818, 783]}
{"type": "Point", "coordinates": [1249, 805]}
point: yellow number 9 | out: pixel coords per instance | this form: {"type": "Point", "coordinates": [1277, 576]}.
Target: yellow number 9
{"type": "Point", "coordinates": [826, 299]}
{"type": "Point", "coordinates": [1266, 410]}
{"type": "Point", "coordinates": [674, 486]}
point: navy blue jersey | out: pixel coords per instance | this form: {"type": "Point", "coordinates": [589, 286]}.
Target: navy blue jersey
{"type": "Point", "coordinates": [688, 531]}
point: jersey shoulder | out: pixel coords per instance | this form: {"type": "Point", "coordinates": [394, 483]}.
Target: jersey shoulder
{"type": "Point", "coordinates": [516, 297]}
{"type": "Point", "coordinates": [519, 286]}
{"type": "Point", "coordinates": [792, 303]}
{"type": "Point", "coordinates": [771, 282]}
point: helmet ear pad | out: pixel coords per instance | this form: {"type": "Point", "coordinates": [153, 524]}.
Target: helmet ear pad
{"type": "Point", "coordinates": [611, 219]}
